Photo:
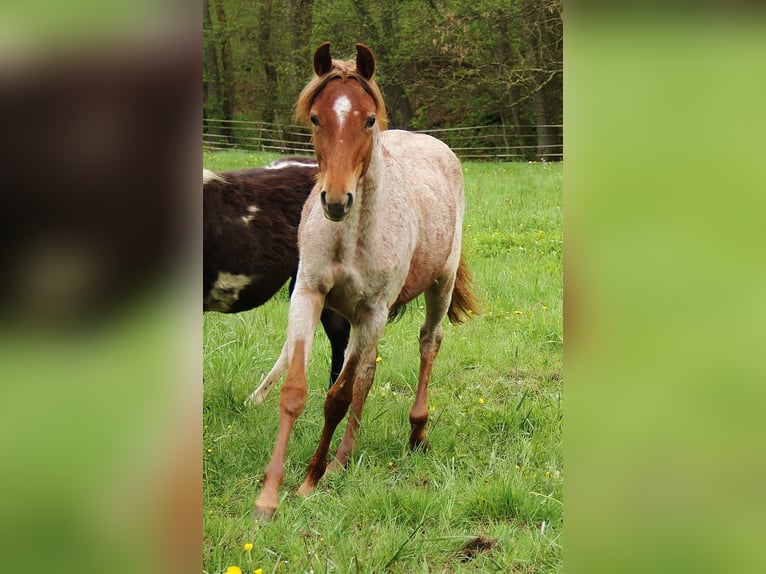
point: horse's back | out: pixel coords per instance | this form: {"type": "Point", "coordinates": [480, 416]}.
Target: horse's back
{"type": "Point", "coordinates": [426, 179]}
{"type": "Point", "coordinates": [422, 157]}
{"type": "Point", "coordinates": [250, 222]}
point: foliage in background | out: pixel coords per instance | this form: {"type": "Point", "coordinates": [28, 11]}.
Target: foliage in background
{"type": "Point", "coordinates": [447, 63]}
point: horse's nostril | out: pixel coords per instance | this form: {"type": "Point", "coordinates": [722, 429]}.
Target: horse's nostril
{"type": "Point", "coordinates": [323, 197]}
{"type": "Point", "coordinates": [349, 201]}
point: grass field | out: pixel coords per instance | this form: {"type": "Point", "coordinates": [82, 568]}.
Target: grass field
{"type": "Point", "coordinates": [487, 496]}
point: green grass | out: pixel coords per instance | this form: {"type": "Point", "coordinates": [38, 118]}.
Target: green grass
{"type": "Point", "coordinates": [495, 465]}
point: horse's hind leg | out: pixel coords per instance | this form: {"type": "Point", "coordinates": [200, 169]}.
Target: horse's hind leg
{"type": "Point", "coordinates": [431, 333]}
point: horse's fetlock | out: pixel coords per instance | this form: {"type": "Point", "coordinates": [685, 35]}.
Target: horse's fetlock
{"type": "Point", "coordinates": [419, 419]}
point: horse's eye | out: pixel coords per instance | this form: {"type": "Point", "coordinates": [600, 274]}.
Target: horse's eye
{"type": "Point", "coordinates": [315, 119]}
{"type": "Point", "coordinates": [370, 122]}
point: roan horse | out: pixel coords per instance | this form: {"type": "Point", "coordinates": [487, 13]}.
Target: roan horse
{"type": "Point", "coordinates": [382, 226]}
{"type": "Point", "coordinates": [250, 245]}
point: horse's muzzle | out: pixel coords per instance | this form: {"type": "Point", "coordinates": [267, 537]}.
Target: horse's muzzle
{"type": "Point", "coordinates": [336, 210]}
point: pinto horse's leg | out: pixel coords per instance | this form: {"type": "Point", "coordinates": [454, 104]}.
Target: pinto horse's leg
{"type": "Point", "coordinates": [364, 339]}
{"type": "Point", "coordinates": [337, 330]}
{"type": "Point", "coordinates": [259, 394]}
{"type": "Point", "coordinates": [437, 302]}
{"type": "Point", "coordinates": [305, 309]}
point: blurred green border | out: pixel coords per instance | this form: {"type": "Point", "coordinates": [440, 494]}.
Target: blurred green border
{"type": "Point", "coordinates": [665, 196]}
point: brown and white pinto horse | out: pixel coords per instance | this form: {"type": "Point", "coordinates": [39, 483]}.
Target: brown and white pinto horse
{"type": "Point", "coordinates": [250, 245]}
{"type": "Point", "coordinates": [382, 226]}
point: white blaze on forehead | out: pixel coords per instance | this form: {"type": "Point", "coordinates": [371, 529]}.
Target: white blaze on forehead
{"type": "Point", "coordinates": [342, 107]}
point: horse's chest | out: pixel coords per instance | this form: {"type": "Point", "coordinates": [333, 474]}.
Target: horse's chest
{"type": "Point", "coordinates": [355, 289]}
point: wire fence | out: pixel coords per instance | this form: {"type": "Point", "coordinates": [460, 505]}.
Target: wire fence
{"type": "Point", "coordinates": [497, 142]}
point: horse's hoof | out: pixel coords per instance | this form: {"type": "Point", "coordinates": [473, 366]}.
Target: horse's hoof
{"type": "Point", "coordinates": [336, 466]}
{"type": "Point", "coordinates": [306, 488]}
{"type": "Point", "coordinates": [255, 399]}
{"type": "Point", "coordinates": [262, 514]}
{"type": "Point", "coordinates": [419, 445]}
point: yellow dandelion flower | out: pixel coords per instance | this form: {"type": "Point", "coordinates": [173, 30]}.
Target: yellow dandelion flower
{"type": "Point", "coordinates": [378, 359]}
{"type": "Point", "coordinates": [517, 467]}
{"type": "Point", "coordinates": [248, 546]}
{"type": "Point", "coordinates": [210, 450]}
{"type": "Point", "coordinates": [481, 400]}
{"type": "Point", "coordinates": [233, 570]}
{"type": "Point", "coordinates": [517, 312]}
{"type": "Point", "coordinates": [258, 571]}
{"type": "Point", "coordinates": [432, 408]}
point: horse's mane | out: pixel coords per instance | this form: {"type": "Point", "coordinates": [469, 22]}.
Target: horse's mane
{"type": "Point", "coordinates": [341, 69]}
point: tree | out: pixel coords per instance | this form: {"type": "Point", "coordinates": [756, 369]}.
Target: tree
{"type": "Point", "coordinates": [441, 63]}
{"type": "Point", "coordinates": [218, 72]}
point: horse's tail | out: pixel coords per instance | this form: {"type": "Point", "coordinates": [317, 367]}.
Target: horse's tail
{"type": "Point", "coordinates": [464, 302]}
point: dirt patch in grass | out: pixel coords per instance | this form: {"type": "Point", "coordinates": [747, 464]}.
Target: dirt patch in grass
{"type": "Point", "coordinates": [473, 548]}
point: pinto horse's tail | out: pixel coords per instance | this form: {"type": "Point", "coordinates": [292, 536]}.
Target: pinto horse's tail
{"type": "Point", "coordinates": [464, 302]}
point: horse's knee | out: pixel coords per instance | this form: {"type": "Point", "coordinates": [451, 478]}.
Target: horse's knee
{"type": "Point", "coordinates": [292, 400]}
{"type": "Point", "coordinates": [293, 395]}
{"type": "Point", "coordinates": [339, 398]}
{"type": "Point", "coordinates": [336, 406]}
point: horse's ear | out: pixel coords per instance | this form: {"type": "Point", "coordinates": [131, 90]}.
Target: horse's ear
{"type": "Point", "coordinates": [365, 61]}
{"type": "Point", "coordinates": [322, 59]}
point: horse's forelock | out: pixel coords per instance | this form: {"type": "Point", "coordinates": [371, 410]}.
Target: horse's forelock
{"type": "Point", "coordinates": [341, 69]}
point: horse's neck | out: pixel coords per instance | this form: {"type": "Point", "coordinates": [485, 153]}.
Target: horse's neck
{"type": "Point", "coordinates": [371, 196]}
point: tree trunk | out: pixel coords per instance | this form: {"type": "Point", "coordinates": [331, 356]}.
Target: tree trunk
{"type": "Point", "coordinates": [545, 136]}
{"type": "Point", "coordinates": [398, 106]}
{"type": "Point", "coordinates": [545, 133]}
{"type": "Point", "coordinates": [211, 92]}
{"type": "Point", "coordinates": [226, 70]}
{"type": "Point", "coordinates": [266, 53]}
{"type": "Point", "coordinates": [303, 23]}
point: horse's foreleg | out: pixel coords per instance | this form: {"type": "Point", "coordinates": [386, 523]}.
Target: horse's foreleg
{"type": "Point", "coordinates": [259, 394]}
{"type": "Point", "coordinates": [364, 339]}
{"type": "Point", "coordinates": [302, 322]}
{"type": "Point", "coordinates": [361, 390]}
{"type": "Point", "coordinates": [335, 408]}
